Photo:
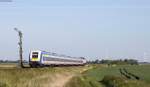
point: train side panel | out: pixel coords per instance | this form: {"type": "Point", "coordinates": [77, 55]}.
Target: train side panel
{"type": "Point", "coordinates": [43, 58]}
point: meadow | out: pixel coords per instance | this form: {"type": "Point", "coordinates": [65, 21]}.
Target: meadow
{"type": "Point", "coordinates": [36, 77]}
{"type": "Point", "coordinates": [110, 76]}
{"type": "Point", "coordinates": [75, 76]}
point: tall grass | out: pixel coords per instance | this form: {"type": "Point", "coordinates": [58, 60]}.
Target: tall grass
{"type": "Point", "coordinates": [24, 77]}
{"type": "Point", "coordinates": [32, 77]}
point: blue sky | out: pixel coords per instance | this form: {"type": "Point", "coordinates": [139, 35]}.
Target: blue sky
{"type": "Point", "coordinates": [89, 28]}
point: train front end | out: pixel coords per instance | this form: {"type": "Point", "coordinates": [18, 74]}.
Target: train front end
{"type": "Point", "coordinates": [35, 58]}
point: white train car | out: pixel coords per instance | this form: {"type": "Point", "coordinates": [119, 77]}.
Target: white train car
{"type": "Point", "coordinates": [43, 58]}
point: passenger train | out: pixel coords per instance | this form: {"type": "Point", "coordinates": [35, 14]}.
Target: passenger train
{"type": "Point", "coordinates": [42, 58]}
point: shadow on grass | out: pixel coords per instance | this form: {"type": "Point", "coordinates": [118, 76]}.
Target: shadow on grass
{"type": "Point", "coordinates": [3, 84]}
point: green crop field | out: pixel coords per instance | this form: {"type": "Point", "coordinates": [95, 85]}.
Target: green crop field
{"type": "Point", "coordinates": [110, 76]}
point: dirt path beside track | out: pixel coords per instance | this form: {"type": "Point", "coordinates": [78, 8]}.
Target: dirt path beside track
{"type": "Point", "coordinates": [61, 80]}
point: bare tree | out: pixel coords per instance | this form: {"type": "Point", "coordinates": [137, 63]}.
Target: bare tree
{"type": "Point", "coordinates": [20, 47]}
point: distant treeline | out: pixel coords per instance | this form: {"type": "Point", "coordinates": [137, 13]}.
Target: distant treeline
{"type": "Point", "coordinates": [12, 61]}
{"type": "Point", "coordinates": [117, 62]}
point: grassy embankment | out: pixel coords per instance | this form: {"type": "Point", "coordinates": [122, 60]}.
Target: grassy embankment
{"type": "Point", "coordinates": [35, 77]}
{"type": "Point", "coordinates": [104, 76]}
{"type": "Point", "coordinates": [97, 76]}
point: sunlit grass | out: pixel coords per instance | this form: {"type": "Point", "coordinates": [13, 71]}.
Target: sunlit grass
{"type": "Point", "coordinates": [109, 76]}
{"type": "Point", "coordinates": [32, 77]}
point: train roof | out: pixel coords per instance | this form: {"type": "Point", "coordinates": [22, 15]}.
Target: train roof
{"type": "Point", "coordinates": [55, 54]}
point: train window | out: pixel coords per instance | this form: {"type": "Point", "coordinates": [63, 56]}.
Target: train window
{"type": "Point", "coordinates": [35, 55]}
{"type": "Point", "coordinates": [59, 59]}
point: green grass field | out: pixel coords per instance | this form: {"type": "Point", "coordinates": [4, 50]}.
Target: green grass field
{"type": "Point", "coordinates": [82, 76]}
{"type": "Point", "coordinates": [98, 73]}
{"type": "Point", "coordinates": [111, 76]}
